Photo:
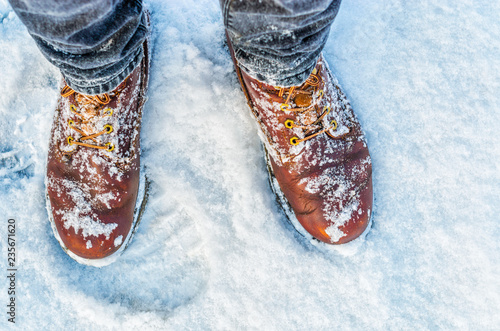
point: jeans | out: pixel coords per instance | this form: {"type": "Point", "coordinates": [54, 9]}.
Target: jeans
{"type": "Point", "coordinates": [96, 43]}
{"type": "Point", "coordinates": [278, 41]}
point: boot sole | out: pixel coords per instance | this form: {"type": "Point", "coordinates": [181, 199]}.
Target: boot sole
{"type": "Point", "coordinates": [140, 205]}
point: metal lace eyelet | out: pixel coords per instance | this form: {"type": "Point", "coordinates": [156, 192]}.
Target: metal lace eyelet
{"type": "Point", "coordinates": [70, 140]}
{"type": "Point", "coordinates": [294, 141]}
{"type": "Point", "coordinates": [108, 112]}
{"type": "Point", "coordinates": [71, 123]}
{"type": "Point", "coordinates": [285, 106]}
{"type": "Point", "coordinates": [334, 122]}
{"type": "Point", "coordinates": [109, 146]}
{"type": "Point", "coordinates": [108, 128]}
{"type": "Point", "coordinates": [289, 124]}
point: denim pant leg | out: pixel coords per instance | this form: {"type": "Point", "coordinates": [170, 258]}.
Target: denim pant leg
{"type": "Point", "coordinates": [96, 44]}
{"type": "Point", "coordinates": [278, 41]}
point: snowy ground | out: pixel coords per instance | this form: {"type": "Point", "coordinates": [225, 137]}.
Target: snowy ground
{"type": "Point", "coordinates": [213, 251]}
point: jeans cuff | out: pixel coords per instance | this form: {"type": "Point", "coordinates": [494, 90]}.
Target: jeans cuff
{"type": "Point", "coordinates": [110, 84]}
{"type": "Point", "coordinates": [269, 72]}
{"type": "Point", "coordinates": [280, 79]}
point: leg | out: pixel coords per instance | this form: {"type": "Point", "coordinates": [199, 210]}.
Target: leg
{"type": "Point", "coordinates": [95, 188]}
{"type": "Point", "coordinates": [278, 42]}
{"type": "Point", "coordinates": [96, 44]}
{"type": "Point", "coordinates": [317, 156]}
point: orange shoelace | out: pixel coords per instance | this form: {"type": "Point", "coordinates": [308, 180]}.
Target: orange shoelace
{"type": "Point", "coordinates": [93, 104]}
{"type": "Point", "coordinates": [307, 91]}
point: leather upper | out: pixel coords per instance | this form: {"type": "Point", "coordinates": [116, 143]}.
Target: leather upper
{"type": "Point", "coordinates": [93, 192]}
{"type": "Point", "coordinates": [327, 179]}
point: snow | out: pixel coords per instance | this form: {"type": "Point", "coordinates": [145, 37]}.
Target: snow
{"type": "Point", "coordinates": [213, 250]}
{"type": "Point", "coordinates": [118, 241]}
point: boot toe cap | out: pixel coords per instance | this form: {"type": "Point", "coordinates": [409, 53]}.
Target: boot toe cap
{"type": "Point", "coordinates": [90, 238]}
{"type": "Point", "coordinates": [333, 225]}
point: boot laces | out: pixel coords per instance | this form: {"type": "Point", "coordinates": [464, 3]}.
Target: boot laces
{"type": "Point", "coordinates": [312, 123]}
{"type": "Point", "coordinates": [88, 110]}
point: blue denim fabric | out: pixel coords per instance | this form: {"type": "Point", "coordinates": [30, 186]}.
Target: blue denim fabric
{"type": "Point", "coordinates": [278, 41]}
{"type": "Point", "coordinates": [95, 43]}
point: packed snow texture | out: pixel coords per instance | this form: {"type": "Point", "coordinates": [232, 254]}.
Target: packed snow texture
{"type": "Point", "coordinates": [213, 250]}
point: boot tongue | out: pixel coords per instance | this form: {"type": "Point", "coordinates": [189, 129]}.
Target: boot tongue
{"type": "Point", "coordinates": [308, 118]}
{"type": "Point", "coordinates": [88, 113]}
{"type": "Point", "coordinates": [89, 108]}
{"type": "Point", "coordinates": [303, 100]}
{"type": "Point", "coordinates": [89, 128]}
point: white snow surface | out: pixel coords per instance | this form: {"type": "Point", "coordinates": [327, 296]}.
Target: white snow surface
{"type": "Point", "coordinates": [213, 251]}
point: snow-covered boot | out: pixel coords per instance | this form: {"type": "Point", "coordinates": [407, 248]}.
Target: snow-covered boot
{"type": "Point", "coordinates": [95, 189]}
{"type": "Point", "coordinates": [318, 159]}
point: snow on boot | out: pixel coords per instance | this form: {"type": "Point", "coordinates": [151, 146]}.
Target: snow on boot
{"type": "Point", "coordinates": [318, 159]}
{"type": "Point", "coordinates": [95, 190]}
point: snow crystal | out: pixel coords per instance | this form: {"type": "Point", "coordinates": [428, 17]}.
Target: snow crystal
{"type": "Point", "coordinates": [118, 241]}
{"type": "Point", "coordinates": [334, 232]}
{"type": "Point", "coordinates": [89, 226]}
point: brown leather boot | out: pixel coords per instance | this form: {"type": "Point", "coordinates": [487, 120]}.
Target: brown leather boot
{"type": "Point", "coordinates": [318, 160]}
{"type": "Point", "coordinates": [95, 192]}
